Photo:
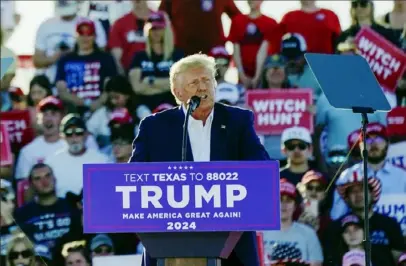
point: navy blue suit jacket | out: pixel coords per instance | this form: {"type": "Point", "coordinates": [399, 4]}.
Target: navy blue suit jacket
{"type": "Point", "coordinates": [233, 138]}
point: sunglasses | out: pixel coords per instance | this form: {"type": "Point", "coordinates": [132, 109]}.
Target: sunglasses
{"type": "Point", "coordinates": [74, 131]}
{"type": "Point", "coordinates": [314, 188]}
{"type": "Point", "coordinates": [291, 146]}
{"type": "Point", "coordinates": [374, 140]}
{"type": "Point", "coordinates": [15, 255]}
{"type": "Point", "coordinates": [362, 4]}
{"type": "Point", "coordinates": [100, 250]}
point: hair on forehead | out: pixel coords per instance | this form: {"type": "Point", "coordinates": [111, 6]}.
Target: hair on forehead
{"type": "Point", "coordinates": [191, 62]}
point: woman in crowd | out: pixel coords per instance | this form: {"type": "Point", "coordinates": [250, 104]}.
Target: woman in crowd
{"type": "Point", "coordinates": [362, 15]}
{"type": "Point", "coordinates": [78, 256]}
{"type": "Point", "coordinates": [82, 73]}
{"type": "Point", "coordinates": [20, 252]}
{"type": "Point", "coordinates": [40, 88]}
{"type": "Point", "coordinates": [119, 95]}
{"type": "Point", "coordinates": [149, 70]}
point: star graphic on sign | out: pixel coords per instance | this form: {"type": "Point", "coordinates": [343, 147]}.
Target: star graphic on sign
{"type": "Point", "coordinates": [174, 167]}
{"type": "Point", "coordinates": [185, 167]}
{"type": "Point", "coordinates": [169, 168]}
{"type": "Point", "coordinates": [180, 167]}
{"type": "Point", "coordinates": [190, 167]}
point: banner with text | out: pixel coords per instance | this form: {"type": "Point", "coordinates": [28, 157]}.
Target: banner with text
{"type": "Point", "coordinates": [393, 205]}
{"type": "Point", "coordinates": [18, 125]}
{"type": "Point", "coordinates": [278, 109]}
{"type": "Point", "coordinates": [386, 60]}
{"type": "Point", "coordinates": [181, 196]}
{"type": "Point", "coordinates": [5, 149]}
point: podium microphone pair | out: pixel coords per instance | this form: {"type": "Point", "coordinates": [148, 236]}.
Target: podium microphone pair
{"type": "Point", "coordinates": [193, 104]}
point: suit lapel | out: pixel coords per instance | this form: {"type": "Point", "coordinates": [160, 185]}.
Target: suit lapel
{"type": "Point", "coordinates": [218, 139]}
{"type": "Point", "coordinates": [179, 132]}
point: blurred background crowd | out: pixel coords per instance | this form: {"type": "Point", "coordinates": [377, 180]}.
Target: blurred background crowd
{"type": "Point", "coordinates": [102, 66]}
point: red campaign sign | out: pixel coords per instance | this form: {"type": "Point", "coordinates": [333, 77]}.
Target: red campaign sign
{"type": "Point", "coordinates": [6, 157]}
{"type": "Point", "coordinates": [278, 109]}
{"type": "Point", "coordinates": [18, 125]}
{"type": "Point", "coordinates": [386, 60]}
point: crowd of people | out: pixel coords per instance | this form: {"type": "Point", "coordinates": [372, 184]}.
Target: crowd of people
{"type": "Point", "coordinates": [99, 74]}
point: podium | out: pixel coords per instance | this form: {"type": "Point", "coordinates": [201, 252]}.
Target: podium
{"type": "Point", "coordinates": [185, 213]}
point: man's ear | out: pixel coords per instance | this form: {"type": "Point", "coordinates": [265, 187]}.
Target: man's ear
{"type": "Point", "coordinates": [178, 93]}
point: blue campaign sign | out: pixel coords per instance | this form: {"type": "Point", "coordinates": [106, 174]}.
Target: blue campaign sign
{"type": "Point", "coordinates": [182, 197]}
{"type": "Point", "coordinates": [6, 62]}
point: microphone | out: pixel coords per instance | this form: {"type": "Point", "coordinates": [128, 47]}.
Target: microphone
{"type": "Point", "coordinates": [193, 103]}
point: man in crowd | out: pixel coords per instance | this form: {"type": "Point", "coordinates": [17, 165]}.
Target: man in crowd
{"type": "Point", "coordinates": [47, 217]}
{"type": "Point", "coordinates": [56, 37]}
{"type": "Point", "coordinates": [297, 146]}
{"type": "Point", "coordinates": [393, 178]}
{"type": "Point", "coordinates": [101, 245]}
{"type": "Point", "coordinates": [122, 130]}
{"type": "Point", "coordinates": [191, 20]}
{"type": "Point", "coordinates": [67, 164]}
{"type": "Point", "coordinates": [397, 136]}
{"type": "Point", "coordinates": [295, 241]}
{"type": "Point", "coordinates": [386, 236]}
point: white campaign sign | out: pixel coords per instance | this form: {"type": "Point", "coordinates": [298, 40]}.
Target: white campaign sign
{"type": "Point", "coordinates": [394, 206]}
{"type": "Point", "coordinates": [124, 260]}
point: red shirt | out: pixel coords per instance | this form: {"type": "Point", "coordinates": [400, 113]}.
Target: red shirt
{"type": "Point", "coordinates": [127, 33]}
{"type": "Point", "coordinates": [197, 23]}
{"type": "Point", "coordinates": [249, 34]}
{"type": "Point", "coordinates": [320, 29]}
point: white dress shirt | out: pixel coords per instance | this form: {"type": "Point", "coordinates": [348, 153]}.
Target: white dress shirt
{"type": "Point", "coordinates": [200, 136]}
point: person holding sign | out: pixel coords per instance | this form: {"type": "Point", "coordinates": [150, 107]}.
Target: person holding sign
{"type": "Point", "coordinates": [217, 132]}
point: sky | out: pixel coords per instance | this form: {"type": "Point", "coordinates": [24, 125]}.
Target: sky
{"type": "Point", "coordinates": [22, 41]}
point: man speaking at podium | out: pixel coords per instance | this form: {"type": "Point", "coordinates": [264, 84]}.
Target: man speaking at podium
{"type": "Point", "coordinates": [217, 132]}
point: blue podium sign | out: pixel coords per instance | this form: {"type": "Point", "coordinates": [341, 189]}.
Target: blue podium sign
{"type": "Point", "coordinates": [181, 197]}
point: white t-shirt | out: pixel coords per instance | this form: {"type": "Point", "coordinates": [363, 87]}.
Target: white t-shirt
{"type": "Point", "coordinates": [55, 31]}
{"type": "Point", "coordinates": [397, 154]}
{"type": "Point", "coordinates": [98, 122]}
{"type": "Point", "coordinates": [298, 242]}
{"type": "Point", "coordinates": [38, 149]}
{"type": "Point", "coordinates": [105, 10]}
{"type": "Point", "coordinates": [68, 169]}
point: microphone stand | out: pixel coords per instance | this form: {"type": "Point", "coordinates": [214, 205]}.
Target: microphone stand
{"type": "Point", "coordinates": [193, 103]}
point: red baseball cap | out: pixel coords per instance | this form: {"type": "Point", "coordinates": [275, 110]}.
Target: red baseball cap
{"type": "Point", "coordinates": [16, 91]}
{"type": "Point", "coordinates": [396, 122]}
{"type": "Point", "coordinates": [354, 138]}
{"type": "Point", "coordinates": [50, 101]}
{"type": "Point", "coordinates": [220, 53]}
{"type": "Point", "coordinates": [86, 28]}
{"type": "Point", "coordinates": [120, 116]}
{"type": "Point", "coordinates": [313, 176]}
{"type": "Point", "coordinates": [377, 129]}
{"type": "Point", "coordinates": [157, 19]}
{"type": "Point", "coordinates": [287, 188]}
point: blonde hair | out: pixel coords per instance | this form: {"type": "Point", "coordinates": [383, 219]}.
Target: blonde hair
{"type": "Point", "coordinates": [168, 40]}
{"type": "Point", "coordinates": [17, 239]}
{"type": "Point", "coordinates": [191, 62]}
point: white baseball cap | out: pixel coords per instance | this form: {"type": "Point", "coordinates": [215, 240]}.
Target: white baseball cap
{"type": "Point", "coordinates": [226, 92]}
{"type": "Point", "coordinates": [298, 133]}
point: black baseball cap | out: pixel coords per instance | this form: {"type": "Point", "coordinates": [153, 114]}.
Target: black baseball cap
{"type": "Point", "coordinates": [293, 45]}
{"type": "Point", "coordinates": [72, 120]}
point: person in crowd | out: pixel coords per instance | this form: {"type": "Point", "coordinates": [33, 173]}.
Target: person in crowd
{"type": "Point", "coordinates": [18, 99]}
{"type": "Point", "coordinates": [352, 236]}
{"type": "Point", "coordinates": [396, 18]}
{"type": "Point", "coordinates": [56, 37]}
{"type": "Point", "coordinates": [226, 92]}
{"type": "Point", "coordinates": [82, 73]}
{"type": "Point", "coordinates": [316, 203]}
{"type": "Point", "coordinates": [336, 161]}
{"type": "Point", "coordinates": [20, 252]}
{"type": "Point", "coordinates": [5, 82]}
{"type": "Point", "coordinates": [43, 256]}
{"type": "Point", "coordinates": [191, 20]}
{"type": "Point", "coordinates": [47, 217]}
{"type": "Point", "coordinates": [78, 256]}
{"type": "Point", "coordinates": [320, 27]}
{"type": "Point", "coordinates": [119, 95]}
{"type": "Point", "coordinates": [75, 155]}
{"type": "Point", "coordinates": [127, 34]}
{"type": "Point", "coordinates": [149, 70]}
{"type": "Point", "coordinates": [339, 124]}
{"type": "Point", "coordinates": [40, 88]}
{"type": "Point", "coordinates": [8, 227]}
{"type": "Point", "coordinates": [295, 241]}
{"type": "Point", "coordinates": [387, 241]}
{"type": "Point", "coordinates": [122, 135]}
{"type": "Point", "coordinates": [363, 15]}
{"type": "Point", "coordinates": [250, 34]}
{"type": "Point", "coordinates": [393, 178]}
{"type": "Point", "coordinates": [101, 245]}
{"type": "Point", "coordinates": [397, 137]}
{"type": "Point", "coordinates": [296, 144]}
{"type": "Point", "coordinates": [293, 48]}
